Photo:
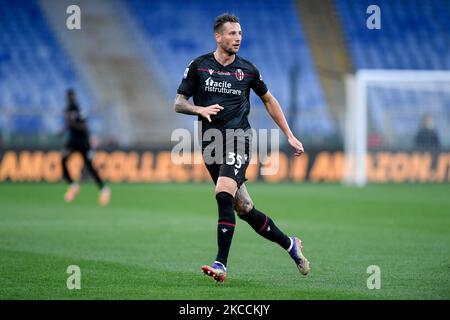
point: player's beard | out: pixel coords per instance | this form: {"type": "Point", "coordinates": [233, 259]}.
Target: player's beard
{"type": "Point", "coordinates": [230, 50]}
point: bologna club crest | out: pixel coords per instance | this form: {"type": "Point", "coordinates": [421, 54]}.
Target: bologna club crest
{"type": "Point", "coordinates": [239, 74]}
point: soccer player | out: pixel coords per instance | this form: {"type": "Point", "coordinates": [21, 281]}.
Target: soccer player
{"type": "Point", "coordinates": [220, 84]}
{"type": "Point", "coordinates": [78, 140]}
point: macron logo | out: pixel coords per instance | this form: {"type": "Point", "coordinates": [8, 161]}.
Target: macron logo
{"type": "Point", "coordinates": [211, 71]}
{"type": "Point", "coordinates": [224, 230]}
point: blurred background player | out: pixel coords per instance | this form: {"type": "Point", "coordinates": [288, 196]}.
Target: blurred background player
{"type": "Point", "coordinates": [227, 110]}
{"type": "Point", "coordinates": [78, 141]}
{"type": "Point", "coordinates": [427, 136]}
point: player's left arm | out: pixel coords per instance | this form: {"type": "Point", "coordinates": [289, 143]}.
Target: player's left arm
{"type": "Point", "coordinates": [274, 109]}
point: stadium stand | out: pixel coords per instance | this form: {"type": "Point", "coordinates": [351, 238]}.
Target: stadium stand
{"type": "Point", "coordinates": [35, 68]}
{"type": "Point", "coordinates": [414, 35]}
{"type": "Point", "coordinates": [273, 40]}
{"type": "Point", "coordinates": [34, 71]}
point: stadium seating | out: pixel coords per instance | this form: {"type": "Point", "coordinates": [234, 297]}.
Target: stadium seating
{"type": "Point", "coordinates": [35, 71]}
{"type": "Point", "coordinates": [273, 40]}
{"type": "Point", "coordinates": [413, 35]}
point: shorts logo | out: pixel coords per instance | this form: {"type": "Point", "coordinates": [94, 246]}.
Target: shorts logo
{"type": "Point", "coordinates": [239, 74]}
{"type": "Point", "coordinates": [211, 71]}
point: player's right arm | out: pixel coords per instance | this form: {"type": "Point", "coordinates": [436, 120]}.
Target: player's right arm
{"type": "Point", "coordinates": [182, 105]}
{"type": "Point", "coordinates": [187, 87]}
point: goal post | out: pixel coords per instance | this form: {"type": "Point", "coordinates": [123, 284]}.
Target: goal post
{"type": "Point", "coordinates": [384, 109]}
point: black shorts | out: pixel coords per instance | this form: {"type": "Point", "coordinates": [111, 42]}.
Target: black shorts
{"type": "Point", "coordinates": [232, 161]}
{"type": "Point", "coordinates": [81, 145]}
{"type": "Point", "coordinates": [86, 152]}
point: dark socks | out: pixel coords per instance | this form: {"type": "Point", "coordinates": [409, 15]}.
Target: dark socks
{"type": "Point", "coordinates": [265, 226]}
{"type": "Point", "coordinates": [225, 225]}
{"type": "Point", "coordinates": [93, 172]}
{"type": "Point", "coordinates": [66, 173]}
{"type": "Point", "coordinates": [89, 166]}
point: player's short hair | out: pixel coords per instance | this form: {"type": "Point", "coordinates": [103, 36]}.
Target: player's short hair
{"type": "Point", "coordinates": [222, 19]}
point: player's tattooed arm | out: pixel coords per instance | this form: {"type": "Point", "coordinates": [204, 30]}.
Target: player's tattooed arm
{"type": "Point", "coordinates": [274, 109]}
{"type": "Point", "coordinates": [182, 105]}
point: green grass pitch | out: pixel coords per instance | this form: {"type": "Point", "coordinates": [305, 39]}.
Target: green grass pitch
{"type": "Point", "coordinates": [150, 242]}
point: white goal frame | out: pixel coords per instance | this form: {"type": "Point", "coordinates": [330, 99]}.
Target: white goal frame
{"type": "Point", "coordinates": [355, 134]}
